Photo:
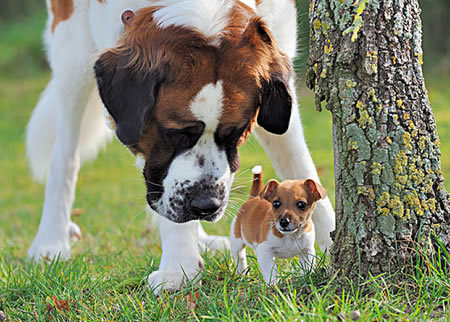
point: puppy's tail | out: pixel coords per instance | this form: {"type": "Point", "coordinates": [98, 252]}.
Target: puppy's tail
{"type": "Point", "coordinates": [257, 184]}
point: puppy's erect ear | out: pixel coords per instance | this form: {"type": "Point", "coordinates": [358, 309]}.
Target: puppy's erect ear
{"type": "Point", "coordinates": [316, 189]}
{"type": "Point", "coordinates": [127, 94]}
{"type": "Point", "coordinates": [269, 190]}
{"type": "Point", "coordinates": [275, 101]}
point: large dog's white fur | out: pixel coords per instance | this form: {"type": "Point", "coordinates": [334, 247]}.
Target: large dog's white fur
{"type": "Point", "coordinates": [67, 127]}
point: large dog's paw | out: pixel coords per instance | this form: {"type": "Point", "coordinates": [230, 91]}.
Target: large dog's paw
{"type": "Point", "coordinates": [51, 243]}
{"type": "Point", "coordinates": [172, 279]}
{"type": "Point", "coordinates": [46, 247]}
{"type": "Point", "coordinates": [213, 243]}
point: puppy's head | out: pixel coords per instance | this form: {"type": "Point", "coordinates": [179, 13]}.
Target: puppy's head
{"type": "Point", "coordinates": [184, 102]}
{"type": "Point", "coordinates": [293, 202]}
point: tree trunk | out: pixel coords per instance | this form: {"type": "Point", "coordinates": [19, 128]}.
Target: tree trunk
{"type": "Point", "coordinates": [365, 62]}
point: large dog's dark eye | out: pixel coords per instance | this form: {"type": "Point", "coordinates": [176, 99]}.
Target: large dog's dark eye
{"type": "Point", "coordinates": [301, 205]}
{"type": "Point", "coordinates": [184, 138]}
{"type": "Point", "coordinates": [229, 137]}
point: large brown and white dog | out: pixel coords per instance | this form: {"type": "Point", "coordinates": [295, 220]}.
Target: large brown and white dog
{"type": "Point", "coordinates": [184, 82]}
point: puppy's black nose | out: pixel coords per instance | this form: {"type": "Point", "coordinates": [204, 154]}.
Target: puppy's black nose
{"type": "Point", "coordinates": [284, 222]}
{"type": "Point", "coordinates": [205, 206]}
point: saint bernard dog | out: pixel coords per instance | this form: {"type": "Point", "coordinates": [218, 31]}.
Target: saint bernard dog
{"type": "Point", "coordinates": [182, 83]}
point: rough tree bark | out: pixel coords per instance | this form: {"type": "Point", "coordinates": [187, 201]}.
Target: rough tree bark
{"type": "Point", "coordinates": [365, 62]}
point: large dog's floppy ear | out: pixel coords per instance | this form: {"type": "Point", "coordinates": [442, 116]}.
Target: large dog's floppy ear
{"type": "Point", "coordinates": [127, 94]}
{"type": "Point", "coordinates": [275, 106]}
{"type": "Point", "coordinates": [275, 101]}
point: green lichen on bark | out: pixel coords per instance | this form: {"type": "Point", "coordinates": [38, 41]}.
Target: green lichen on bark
{"type": "Point", "coordinates": [365, 62]}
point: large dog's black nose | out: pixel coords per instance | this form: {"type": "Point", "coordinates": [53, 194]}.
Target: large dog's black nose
{"type": "Point", "coordinates": [202, 206]}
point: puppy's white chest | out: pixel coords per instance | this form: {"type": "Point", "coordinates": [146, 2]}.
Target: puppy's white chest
{"type": "Point", "coordinates": [286, 247]}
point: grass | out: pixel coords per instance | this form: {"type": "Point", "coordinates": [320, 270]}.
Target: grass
{"type": "Point", "coordinates": [106, 277]}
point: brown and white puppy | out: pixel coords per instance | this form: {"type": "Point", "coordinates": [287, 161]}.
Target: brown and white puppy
{"type": "Point", "coordinates": [276, 222]}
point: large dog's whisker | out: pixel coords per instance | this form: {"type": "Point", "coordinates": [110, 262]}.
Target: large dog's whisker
{"type": "Point", "coordinates": [154, 183]}
{"type": "Point", "coordinates": [236, 198]}
{"type": "Point", "coordinates": [234, 209]}
{"type": "Point", "coordinates": [238, 187]}
{"type": "Point", "coordinates": [239, 193]}
{"type": "Point", "coordinates": [236, 204]}
{"type": "Point", "coordinates": [141, 211]}
{"type": "Point", "coordinates": [153, 192]}
{"type": "Point", "coordinates": [158, 209]}
{"type": "Point", "coordinates": [242, 172]}
{"type": "Point", "coordinates": [242, 181]}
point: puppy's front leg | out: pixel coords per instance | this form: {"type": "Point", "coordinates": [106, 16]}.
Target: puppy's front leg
{"type": "Point", "coordinates": [307, 252]}
{"type": "Point", "coordinates": [307, 260]}
{"type": "Point", "coordinates": [180, 260]}
{"type": "Point", "coordinates": [267, 264]}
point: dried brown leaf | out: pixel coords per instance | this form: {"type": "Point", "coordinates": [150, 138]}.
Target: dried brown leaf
{"type": "Point", "coordinates": [192, 301]}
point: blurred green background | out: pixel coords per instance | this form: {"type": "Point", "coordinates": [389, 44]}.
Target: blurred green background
{"type": "Point", "coordinates": [110, 190]}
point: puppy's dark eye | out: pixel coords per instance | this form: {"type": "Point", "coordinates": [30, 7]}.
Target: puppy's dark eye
{"type": "Point", "coordinates": [301, 205]}
{"type": "Point", "coordinates": [276, 204]}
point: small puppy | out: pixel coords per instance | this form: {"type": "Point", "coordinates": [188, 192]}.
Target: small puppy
{"type": "Point", "coordinates": [276, 222]}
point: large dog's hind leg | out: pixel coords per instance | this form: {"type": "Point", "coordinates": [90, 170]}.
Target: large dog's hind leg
{"type": "Point", "coordinates": [55, 125]}
{"type": "Point", "coordinates": [292, 160]}
{"type": "Point", "coordinates": [211, 242]}
{"type": "Point", "coordinates": [180, 261]}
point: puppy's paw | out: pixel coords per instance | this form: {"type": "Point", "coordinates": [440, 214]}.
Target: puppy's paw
{"type": "Point", "coordinates": [213, 243]}
{"type": "Point", "coordinates": [273, 280]}
{"type": "Point", "coordinates": [242, 268]}
{"type": "Point", "coordinates": [172, 279]}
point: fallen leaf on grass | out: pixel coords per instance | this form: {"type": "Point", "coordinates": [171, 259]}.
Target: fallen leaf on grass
{"type": "Point", "coordinates": [192, 301]}
{"type": "Point", "coordinates": [146, 232]}
{"type": "Point", "coordinates": [76, 212]}
{"type": "Point", "coordinates": [60, 305]}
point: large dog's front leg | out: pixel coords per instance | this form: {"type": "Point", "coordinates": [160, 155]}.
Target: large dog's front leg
{"type": "Point", "coordinates": [292, 160]}
{"type": "Point", "coordinates": [180, 261]}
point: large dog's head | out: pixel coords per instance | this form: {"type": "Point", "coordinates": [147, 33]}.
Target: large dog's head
{"type": "Point", "coordinates": [184, 94]}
